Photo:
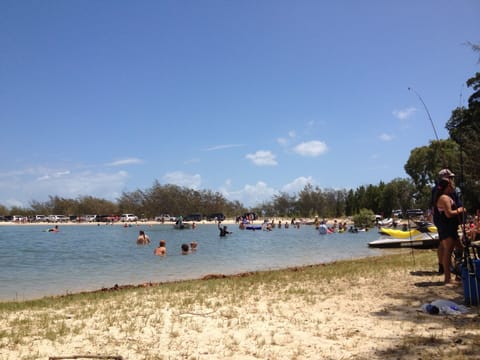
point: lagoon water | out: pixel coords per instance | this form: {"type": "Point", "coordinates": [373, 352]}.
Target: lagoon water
{"type": "Point", "coordinates": [36, 263]}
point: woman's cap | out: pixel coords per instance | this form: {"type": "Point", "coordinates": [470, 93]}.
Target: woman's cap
{"type": "Point", "coordinates": [445, 174]}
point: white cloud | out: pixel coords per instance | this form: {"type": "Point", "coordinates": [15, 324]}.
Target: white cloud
{"type": "Point", "coordinates": [128, 161]}
{"type": "Point", "coordinates": [311, 148]}
{"type": "Point", "coordinates": [54, 175]}
{"type": "Point", "coordinates": [297, 184]}
{"type": "Point", "coordinates": [222, 147]}
{"type": "Point", "coordinates": [262, 158]}
{"type": "Point", "coordinates": [249, 195]}
{"type": "Point", "coordinates": [284, 141]}
{"type": "Point", "coordinates": [180, 178]}
{"type": "Point", "coordinates": [253, 195]}
{"type": "Point", "coordinates": [404, 114]}
{"type": "Point", "coordinates": [385, 137]}
{"type": "Point", "coordinates": [21, 187]}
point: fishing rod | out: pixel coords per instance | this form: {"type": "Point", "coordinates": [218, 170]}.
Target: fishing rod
{"type": "Point", "coordinates": [444, 165]}
{"type": "Point", "coordinates": [426, 109]}
{"type": "Point", "coordinates": [434, 131]}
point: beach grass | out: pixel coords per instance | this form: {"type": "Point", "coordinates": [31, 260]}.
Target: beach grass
{"type": "Point", "coordinates": [294, 313]}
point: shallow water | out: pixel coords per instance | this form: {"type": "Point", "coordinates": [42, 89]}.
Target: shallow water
{"type": "Point", "coordinates": [36, 263]}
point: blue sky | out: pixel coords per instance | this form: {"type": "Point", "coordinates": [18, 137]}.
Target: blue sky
{"type": "Point", "coordinates": [247, 98]}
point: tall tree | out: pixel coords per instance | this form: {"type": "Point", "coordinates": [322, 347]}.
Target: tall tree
{"type": "Point", "coordinates": [424, 164]}
{"type": "Point", "coordinates": [464, 128]}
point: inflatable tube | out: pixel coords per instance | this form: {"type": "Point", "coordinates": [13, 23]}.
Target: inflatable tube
{"type": "Point", "coordinates": [323, 229]}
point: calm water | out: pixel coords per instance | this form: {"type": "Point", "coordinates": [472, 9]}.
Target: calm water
{"type": "Point", "coordinates": [36, 263]}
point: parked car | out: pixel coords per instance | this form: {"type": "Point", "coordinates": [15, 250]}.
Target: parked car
{"type": "Point", "coordinates": [40, 218]}
{"type": "Point", "coordinates": [58, 218]}
{"type": "Point", "coordinates": [90, 218]}
{"type": "Point", "coordinates": [397, 213]}
{"type": "Point", "coordinates": [193, 217]}
{"type": "Point", "coordinates": [165, 217]}
{"type": "Point", "coordinates": [108, 218]}
{"type": "Point", "coordinates": [128, 217]}
{"type": "Point", "coordinates": [414, 212]}
{"type": "Point", "coordinates": [216, 217]}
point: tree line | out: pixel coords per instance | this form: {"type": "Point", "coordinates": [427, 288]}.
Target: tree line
{"type": "Point", "coordinates": [175, 200]}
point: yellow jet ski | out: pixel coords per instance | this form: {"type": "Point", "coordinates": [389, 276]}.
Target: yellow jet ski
{"type": "Point", "coordinates": [411, 233]}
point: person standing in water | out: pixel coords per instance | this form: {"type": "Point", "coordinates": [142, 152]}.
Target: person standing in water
{"type": "Point", "coordinates": [223, 230]}
{"type": "Point", "coordinates": [142, 238]}
{"type": "Point", "coordinates": [161, 250]}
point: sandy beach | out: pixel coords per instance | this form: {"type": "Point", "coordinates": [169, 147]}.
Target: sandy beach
{"type": "Point", "coordinates": [363, 309]}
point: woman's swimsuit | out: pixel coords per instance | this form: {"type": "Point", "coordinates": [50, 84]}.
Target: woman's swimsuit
{"type": "Point", "coordinates": [447, 227]}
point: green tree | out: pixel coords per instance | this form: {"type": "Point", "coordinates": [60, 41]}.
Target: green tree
{"type": "Point", "coordinates": [464, 128]}
{"type": "Point", "coordinates": [424, 164]}
{"type": "Point", "coordinates": [363, 218]}
{"type": "Point", "coordinates": [397, 194]}
{"type": "Point", "coordinates": [285, 204]}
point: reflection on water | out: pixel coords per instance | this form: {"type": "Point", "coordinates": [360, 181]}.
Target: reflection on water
{"type": "Point", "coordinates": [35, 263]}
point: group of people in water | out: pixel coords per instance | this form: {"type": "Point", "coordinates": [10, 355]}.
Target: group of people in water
{"type": "Point", "coordinates": [161, 249]}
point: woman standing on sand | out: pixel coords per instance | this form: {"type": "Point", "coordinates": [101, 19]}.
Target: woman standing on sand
{"type": "Point", "coordinates": [447, 223]}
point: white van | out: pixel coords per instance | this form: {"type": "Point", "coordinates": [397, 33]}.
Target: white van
{"type": "Point", "coordinates": [128, 217]}
{"type": "Point", "coordinates": [40, 218]}
{"type": "Point", "coordinates": [58, 218]}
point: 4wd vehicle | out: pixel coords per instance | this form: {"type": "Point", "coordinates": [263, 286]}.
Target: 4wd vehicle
{"type": "Point", "coordinates": [216, 217]}
{"type": "Point", "coordinates": [128, 217]}
{"type": "Point", "coordinates": [193, 217]}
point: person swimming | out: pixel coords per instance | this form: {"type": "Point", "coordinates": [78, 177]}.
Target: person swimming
{"type": "Point", "coordinates": [54, 229]}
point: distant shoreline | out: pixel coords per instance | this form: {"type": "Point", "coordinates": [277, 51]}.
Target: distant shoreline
{"type": "Point", "coordinates": [303, 221]}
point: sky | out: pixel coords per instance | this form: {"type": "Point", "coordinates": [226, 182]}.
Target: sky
{"type": "Point", "coordinates": [248, 98]}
